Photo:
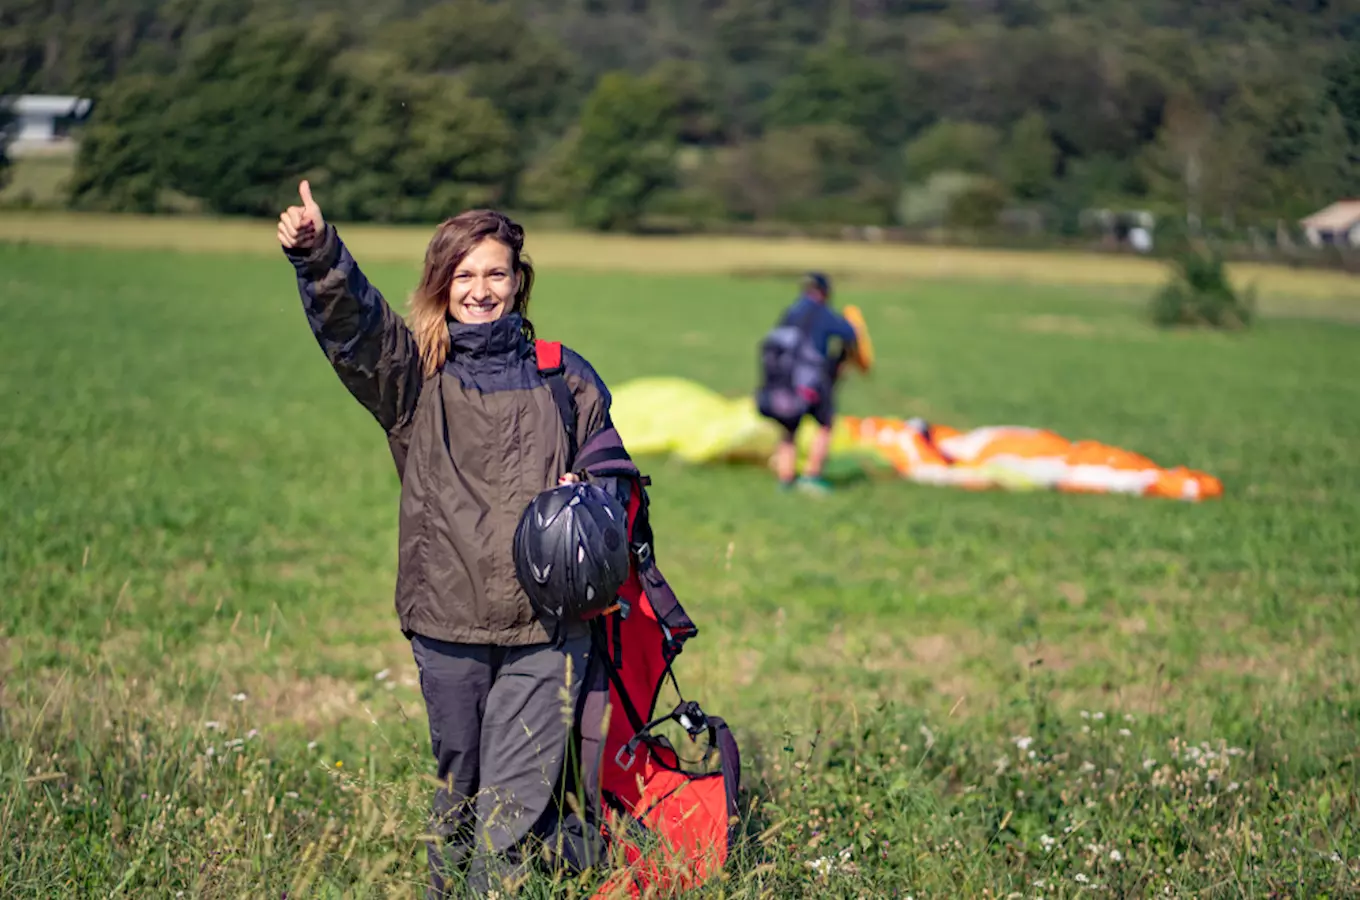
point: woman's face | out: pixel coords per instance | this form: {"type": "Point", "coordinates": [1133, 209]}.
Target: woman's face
{"type": "Point", "coordinates": [484, 284]}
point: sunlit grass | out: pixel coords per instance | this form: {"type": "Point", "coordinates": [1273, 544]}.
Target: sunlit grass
{"type": "Point", "coordinates": [195, 511]}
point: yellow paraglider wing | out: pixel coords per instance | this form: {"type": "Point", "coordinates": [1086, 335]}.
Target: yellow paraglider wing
{"type": "Point", "coordinates": [863, 354]}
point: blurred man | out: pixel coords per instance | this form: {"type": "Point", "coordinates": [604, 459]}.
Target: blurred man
{"type": "Point", "coordinates": [801, 359]}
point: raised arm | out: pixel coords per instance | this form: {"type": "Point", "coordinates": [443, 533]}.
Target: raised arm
{"type": "Point", "coordinates": [367, 343]}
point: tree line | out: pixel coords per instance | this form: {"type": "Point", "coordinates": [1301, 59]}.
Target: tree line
{"type": "Point", "coordinates": [868, 112]}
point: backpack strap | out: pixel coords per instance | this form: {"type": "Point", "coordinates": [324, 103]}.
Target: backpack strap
{"type": "Point", "coordinates": [551, 368]}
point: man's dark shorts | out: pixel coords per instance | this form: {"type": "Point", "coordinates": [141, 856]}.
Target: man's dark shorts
{"type": "Point", "coordinates": [823, 413]}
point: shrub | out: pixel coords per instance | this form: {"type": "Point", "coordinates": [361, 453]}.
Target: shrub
{"type": "Point", "coordinates": [1199, 293]}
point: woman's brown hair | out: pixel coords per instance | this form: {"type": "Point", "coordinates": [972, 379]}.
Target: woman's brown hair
{"type": "Point", "coordinates": [452, 242]}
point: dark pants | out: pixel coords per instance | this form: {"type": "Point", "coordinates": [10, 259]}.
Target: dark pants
{"type": "Point", "coordinates": [822, 409]}
{"type": "Point", "coordinates": [823, 412]}
{"type": "Point", "coordinates": [501, 730]}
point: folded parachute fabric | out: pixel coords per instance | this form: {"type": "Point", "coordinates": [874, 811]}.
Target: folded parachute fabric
{"type": "Point", "coordinates": [1018, 458]}
{"type": "Point", "coordinates": [680, 417]}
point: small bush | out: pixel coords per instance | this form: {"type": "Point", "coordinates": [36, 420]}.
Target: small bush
{"type": "Point", "coordinates": [1200, 294]}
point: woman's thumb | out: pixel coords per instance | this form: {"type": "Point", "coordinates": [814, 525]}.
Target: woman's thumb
{"type": "Point", "coordinates": [305, 192]}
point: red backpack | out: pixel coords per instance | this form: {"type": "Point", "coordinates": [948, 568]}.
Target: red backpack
{"type": "Point", "coordinates": [672, 828]}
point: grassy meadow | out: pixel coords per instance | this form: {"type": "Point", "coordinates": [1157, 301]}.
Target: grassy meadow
{"type": "Point", "coordinates": [938, 693]}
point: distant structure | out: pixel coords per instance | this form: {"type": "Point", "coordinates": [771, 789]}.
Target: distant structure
{"type": "Point", "coordinates": [1122, 228]}
{"type": "Point", "coordinates": [1338, 224]}
{"type": "Point", "coordinates": [42, 122]}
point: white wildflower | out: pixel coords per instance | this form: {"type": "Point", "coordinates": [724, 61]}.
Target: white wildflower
{"type": "Point", "coordinates": [1047, 843]}
{"type": "Point", "coordinates": [1023, 742]}
{"type": "Point", "coordinates": [928, 735]}
{"type": "Point", "coordinates": [291, 795]}
{"type": "Point", "coordinates": [1081, 878]}
{"type": "Point", "coordinates": [1235, 751]}
{"type": "Point", "coordinates": [1033, 755]}
{"type": "Point", "coordinates": [1116, 856]}
{"type": "Point", "coordinates": [213, 725]}
{"type": "Point", "coordinates": [1124, 732]}
{"type": "Point", "coordinates": [311, 745]}
{"type": "Point", "coordinates": [269, 835]}
{"type": "Point", "coordinates": [1149, 763]}
{"type": "Point", "coordinates": [210, 751]}
{"type": "Point", "coordinates": [1233, 786]}
{"type": "Point", "coordinates": [1129, 718]}
{"type": "Point", "coordinates": [239, 697]}
{"type": "Point", "coordinates": [252, 734]}
{"type": "Point", "coordinates": [382, 676]}
{"type": "Point", "coordinates": [1086, 729]}
{"type": "Point", "coordinates": [1085, 714]}
{"type": "Point", "coordinates": [1098, 716]}
{"type": "Point", "coordinates": [1335, 857]}
{"type": "Point", "coordinates": [1088, 766]}
{"type": "Point", "coordinates": [1001, 764]}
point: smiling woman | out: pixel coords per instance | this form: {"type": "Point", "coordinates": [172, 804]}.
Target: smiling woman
{"type": "Point", "coordinates": [476, 434]}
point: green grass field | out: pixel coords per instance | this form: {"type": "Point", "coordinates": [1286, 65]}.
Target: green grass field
{"type": "Point", "coordinates": [938, 693]}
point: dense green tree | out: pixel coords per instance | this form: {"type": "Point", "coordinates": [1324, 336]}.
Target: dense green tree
{"type": "Point", "coordinates": [952, 146]}
{"type": "Point", "coordinates": [819, 174]}
{"type": "Point", "coordinates": [1029, 158]}
{"type": "Point", "coordinates": [121, 163]}
{"type": "Point", "coordinates": [252, 110]}
{"type": "Point", "coordinates": [838, 84]}
{"type": "Point", "coordinates": [1083, 102]}
{"type": "Point", "coordinates": [418, 147]}
{"type": "Point", "coordinates": [624, 151]}
{"type": "Point", "coordinates": [1343, 89]}
{"type": "Point", "coordinates": [496, 52]}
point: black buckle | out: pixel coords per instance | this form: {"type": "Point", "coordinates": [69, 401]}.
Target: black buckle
{"type": "Point", "coordinates": [643, 552]}
{"type": "Point", "coordinates": [691, 718]}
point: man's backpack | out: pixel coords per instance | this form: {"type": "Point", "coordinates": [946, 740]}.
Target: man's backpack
{"type": "Point", "coordinates": [669, 826]}
{"type": "Point", "coordinates": [794, 373]}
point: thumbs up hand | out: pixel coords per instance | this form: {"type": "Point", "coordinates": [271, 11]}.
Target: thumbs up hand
{"type": "Point", "coordinates": [301, 227]}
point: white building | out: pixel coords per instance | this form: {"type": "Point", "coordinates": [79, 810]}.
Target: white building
{"type": "Point", "coordinates": [1337, 224]}
{"type": "Point", "coordinates": [41, 122]}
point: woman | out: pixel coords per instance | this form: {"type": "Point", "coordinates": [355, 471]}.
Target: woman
{"type": "Point", "coordinates": [475, 435]}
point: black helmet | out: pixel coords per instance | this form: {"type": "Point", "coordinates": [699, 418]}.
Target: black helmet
{"type": "Point", "coordinates": [571, 551]}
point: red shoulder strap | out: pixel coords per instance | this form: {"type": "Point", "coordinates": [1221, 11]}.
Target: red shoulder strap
{"type": "Point", "coordinates": [549, 355]}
